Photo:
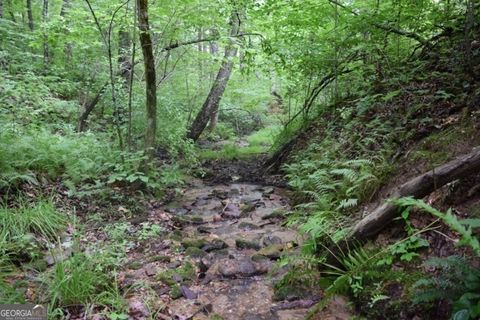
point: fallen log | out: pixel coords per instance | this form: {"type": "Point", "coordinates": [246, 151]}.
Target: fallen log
{"type": "Point", "coordinates": [417, 187]}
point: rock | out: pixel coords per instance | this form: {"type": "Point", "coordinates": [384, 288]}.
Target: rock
{"type": "Point", "coordinates": [134, 265]}
{"type": "Point", "coordinates": [269, 240]}
{"type": "Point", "coordinates": [268, 191]}
{"type": "Point", "coordinates": [291, 292]}
{"type": "Point", "coordinates": [237, 268]}
{"type": "Point", "coordinates": [216, 244]}
{"type": "Point", "coordinates": [187, 293]}
{"type": "Point", "coordinates": [259, 258]}
{"type": "Point", "coordinates": [272, 252]}
{"type": "Point", "coordinates": [187, 220]}
{"type": "Point", "coordinates": [247, 226]}
{"type": "Point", "coordinates": [57, 255]}
{"type": "Point", "coordinates": [222, 195]}
{"type": "Point", "coordinates": [194, 252]}
{"type": "Point", "coordinates": [159, 258]}
{"type": "Point", "coordinates": [246, 244]}
{"type": "Point", "coordinates": [151, 271]}
{"type": "Point", "coordinates": [175, 292]}
{"type": "Point", "coordinates": [231, 211]}
{"type": "Point", "coordinates": [177, 278]}
{"type": "Point", "coordinates": [177, 211]}
{"type": "Point", "coordinates": [234, 192]}
{"type": "Point", "coordinates": [197, 243]}
{"type": "Point", "coordinates": [174, 264]}
{"type": "Point", "coordinates": [276, 214]}
{"type": "Point", "coordinates": [137, 310]}
{"type": "Point", "coordinates": [207, 261]}
{"type": "Point", "coordinates": [204, 229]}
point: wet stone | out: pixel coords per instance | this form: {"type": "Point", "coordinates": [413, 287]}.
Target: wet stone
{"type": "Point", "coordinates": [233, 268]}
{"type": "Point", "coordinates": [216, 244]}
{"type": "Point", "coordinates": [269, 240]}
{"type": "Point", "coordinates": [247, 226]}
{"type": "Point", "coordinates": [187, 293]}
{"type": "Point", "coordinates": [232, 211]}
{"type": "Point", "coordinates": [272, 252]}
{"type": "Point", "coordinates": [197, 243]}
{"type": "Point", "coordinates": [195, 252]}
{"type": "Point", "coordinates": [174, 265]}
{"type": "Point", "coordinates": [246, 244]}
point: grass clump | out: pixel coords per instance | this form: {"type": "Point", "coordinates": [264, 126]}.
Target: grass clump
{"type": "Point", "coordinates": [80, 280]}
{"type": "Point", "coordinates": [41, 219]}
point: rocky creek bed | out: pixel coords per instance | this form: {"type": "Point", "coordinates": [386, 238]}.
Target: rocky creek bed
{"type": "Point", "coordinates": [218, 260]}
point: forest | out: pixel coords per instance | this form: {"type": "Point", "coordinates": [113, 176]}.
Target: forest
{"type": "Point", "coordinates": [240, 159]}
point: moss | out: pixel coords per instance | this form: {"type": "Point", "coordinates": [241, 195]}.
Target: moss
{"type": "Point", "coordinates": [195, 252]}
{"type": "Point", "coordinates": [187, 220]}
{"type": "Point", "coordinates": [215, 317]}
{"type": "Point", "coordinates": [176, 235]}
{"type": "Point", "coordinates": [196, 243]}
{"type": "Point", "coordinates": [246, 244]}
{"type": "Point", "coordinates": [185, 272]}
{"type": "Point", "coordinates": [159, 258]}
{"type": "Point", "coordinates": [175, 292]}
{"type": "Point", "coordinates": [135, 265]}
{"type": "Point", "coordinates": [276, 214]}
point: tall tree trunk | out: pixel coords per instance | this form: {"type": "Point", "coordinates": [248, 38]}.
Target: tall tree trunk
{"type": "Point", "coordinates": [210, 106]}
{"type": "Point", "coordinates": [67, 49]}
{"type": "Point", "coordinates": [46, 52]}
{"type": "Point", "coordinates": [123, 55]}
{"type": "Point", "coordinates": [30, 14]}
{"type": "Point", "coordinates": [10, 9]}
{"type": "Point", "coordinates": [150, 77]}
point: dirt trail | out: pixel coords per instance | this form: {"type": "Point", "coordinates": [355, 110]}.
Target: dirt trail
{"type": "Point", "coordinates": [220, 259]}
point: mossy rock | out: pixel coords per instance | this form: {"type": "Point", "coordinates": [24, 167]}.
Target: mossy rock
{"type": "Point", "coordinates": [159, 258]}
{"type": "Point", "coordinates": [196, 243]}
{"type": "Point", "coordinates": [39, 265]}
{"type": "Point", "coordinates": [186, 272]}
{"type": "Point", "coordinates": [273, 252]}
{"type": "Point", "coordinates": [259, 258]}
{"type": "Point", "coordinates": [187, 220]}
{"type": "Point", "coordinates": [215, 317]}
{"type": "Point", "coordinates": [247, 226]}
{"type": "Point", "coordinates": [175, 292]}
{"type": "Point", "coordinates": [276, 214]}
{"type": "Point", "coordinates": [290, 292]}
{"type": "Point", "coordinates": [135, 265]}
{"type": "Point", "coordinates": [247, 244]}
{"type": "Point", "coordinates": [195, 252]}
{"type": "Point", "coordinates": [176, 235]}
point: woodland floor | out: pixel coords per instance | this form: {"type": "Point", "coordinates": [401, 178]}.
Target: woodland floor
{"type": "Point", "coordinates": [223, 236]}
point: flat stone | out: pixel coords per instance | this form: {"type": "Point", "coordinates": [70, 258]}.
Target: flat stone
{"type": "Point", "coordinates": [269, 240]}
{"type": "Point", "coordinates": [216, 244]}
{"type": "Point", "coordinates": [233, 268]}
{"type": "Point", "coordinates": [246, 244]}
{"type": "Point", "coordinates": [151, 271]}
{"type": "Point", "coordinates": [247, 226]}
{"type": "Point", "coordinates": [187, 293]}
{"type": "Point", "coordinates": [273, 252]}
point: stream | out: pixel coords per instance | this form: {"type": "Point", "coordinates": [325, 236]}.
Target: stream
{"type": "Point", "coordinates": [233, 236]}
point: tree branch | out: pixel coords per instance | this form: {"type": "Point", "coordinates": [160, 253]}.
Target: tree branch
{"type": "Point", "coordinates": [209, 39]}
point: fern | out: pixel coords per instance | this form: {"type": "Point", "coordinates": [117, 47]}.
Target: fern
{"type": "Point", "coordinates": [449, 219]}
{"type": "Point", "coordinates": [455, 280]}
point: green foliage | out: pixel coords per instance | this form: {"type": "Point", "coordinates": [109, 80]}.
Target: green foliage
{"type": "Point", "coordinates": [41, 219]}
{"type": "Point", "coordinates": [79, 280]}
{"type": "Point", "coordinates": [455, 280]}
{"type": "Point", "coordinates": [334, 188]}
{"type": "Point", "coordinates": [465, 229]}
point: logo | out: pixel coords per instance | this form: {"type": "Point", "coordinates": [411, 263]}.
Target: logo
{"type": "Point", "coordinates": [23, 312]}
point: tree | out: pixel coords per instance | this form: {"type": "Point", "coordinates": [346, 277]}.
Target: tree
{"type": "Point", "coordinates": [30, 14]}
{"type": "Point", "coordinates": [150, 76]}
{"type": "Point", "coordinates": [210, 106]}
{"type": "Point", "coordinates": [46, 52]}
